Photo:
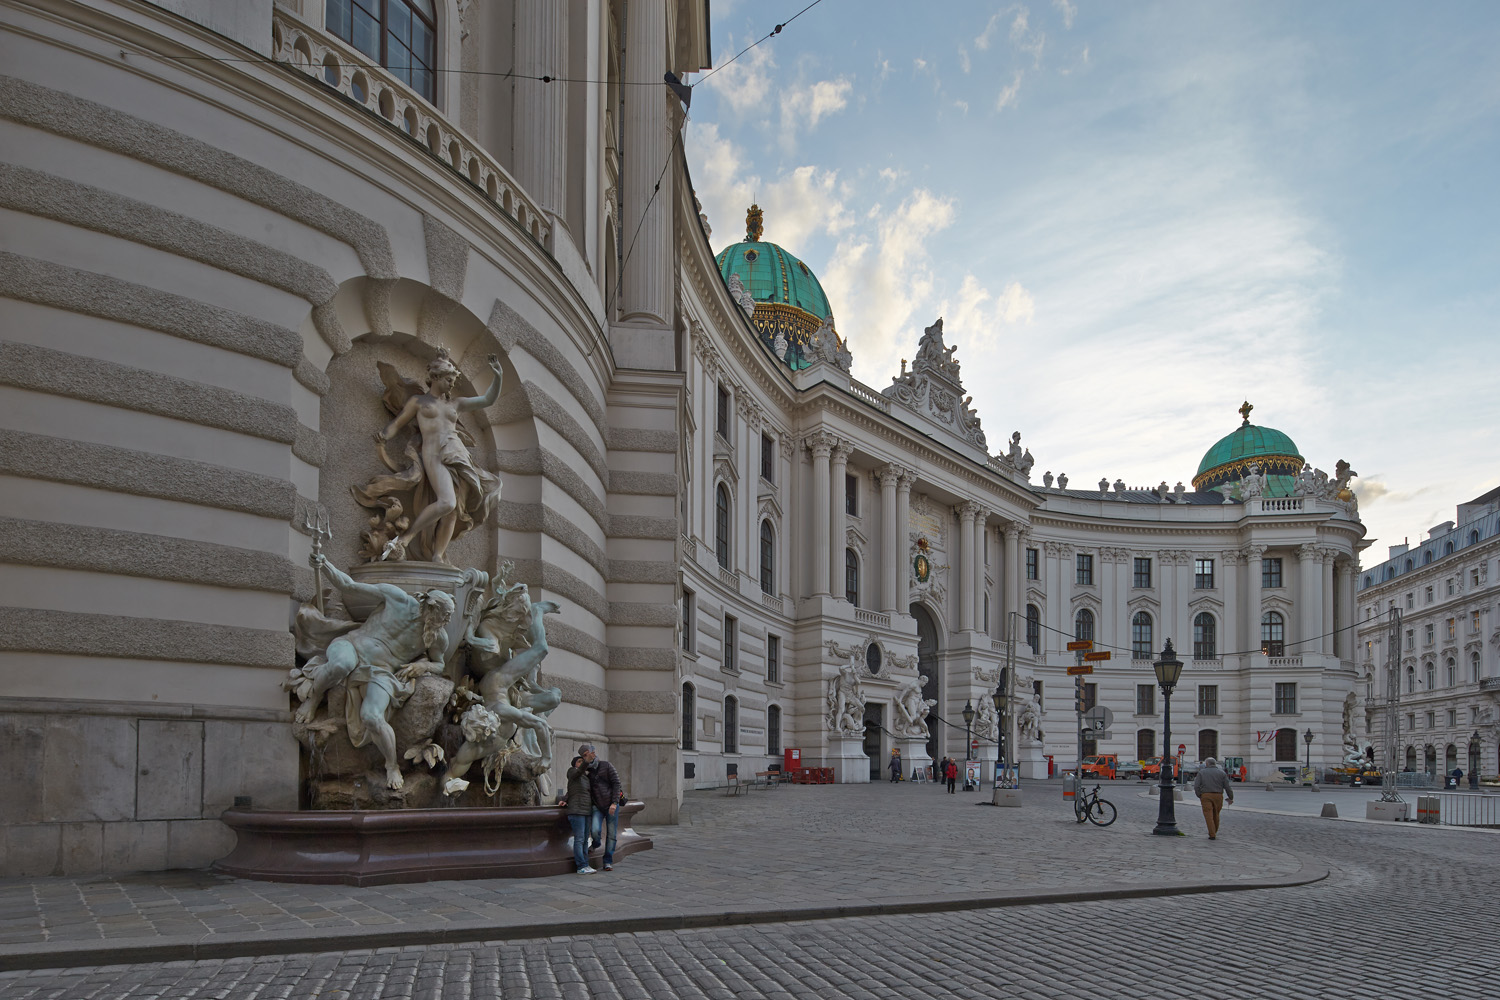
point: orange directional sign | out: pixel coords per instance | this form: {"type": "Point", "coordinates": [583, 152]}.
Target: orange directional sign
{"type": "Point", "coordinates": [1080, 644]}
{"type": "Point", "coordinates": [1103, 654]}
{"type": "Point", "coordinates": [1084, 669]}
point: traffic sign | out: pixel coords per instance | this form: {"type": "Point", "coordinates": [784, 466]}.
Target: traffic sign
{"type": "Point", "coordinates": [1099, 717]}
{"type": "Point", "coordinates": [1080, 644]}
{"type": "Point", "coordinates": [1082, 669]}
{"type": "Point", "coordinates": [1103, 654]}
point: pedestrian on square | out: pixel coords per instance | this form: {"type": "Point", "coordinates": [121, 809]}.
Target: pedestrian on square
{"type": "Point", "coordinates": [579, 801]}
{"type": "Point", "coordinates": [607, 794]}
{"type": "Point", "coordinates": [895, 765]}
{"type": "Point", "coordinates": [1211, 785]}
{"type": "Point", "coordinates": [1458, 777]}
{"type": "Point", "coordinates": [951, 773]}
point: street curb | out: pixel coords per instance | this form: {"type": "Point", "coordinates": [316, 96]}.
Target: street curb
{"type": "Point", "coordinates": [221, 946]}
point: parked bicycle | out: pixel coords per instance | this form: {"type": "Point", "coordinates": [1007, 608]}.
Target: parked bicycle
{"type": "Point", "coordinates": [1089, 806]}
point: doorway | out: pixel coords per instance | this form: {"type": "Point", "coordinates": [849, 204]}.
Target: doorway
{"type": "Point", "coordinates": [1286, 745]}
{"type": "Point", "coordinates": [927, 666]}
{"type": "Point", "coordinates": [874, 724]}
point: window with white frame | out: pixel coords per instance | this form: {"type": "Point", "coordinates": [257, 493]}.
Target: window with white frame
{"type": "Point", "coordinates": [1205, 637]}
{"type": "Point", "coordinates": [729, 659]}
{"type": "Point", "coordinates": [1143, 572]}
{"type": "Point", "coordinates": [1286, 699]}
{"type": "Point", "coordinates": [1203, 574]}
{"type": "Point", "coordinates": [400, 35]}
{"type": "Point", "coordinates": [1084, 570]}
{"type": "Point", "coordinates": [1140, 637]}
{"type": "Point", "coordinates": [773, 659]}
{"type": "Point", "coordinates": [731, 724]}
{"type": "Point", "coordinates": [1208, 699]}
{"type": "Point", "coordinates": [689, 619]}
{"type": "Point", "coordinates": [1145, 699]}
{"type": "Point", "coordinates": [1083, 624]}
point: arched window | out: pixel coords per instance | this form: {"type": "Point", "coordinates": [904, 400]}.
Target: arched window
{"type": "Point", "coordinates": [1272, 627]}
{"type": "Point", "coordinates": [1083, 624]}
{"type": "Point", "coordinates": [1033, 628]}
{"type": "Point", "coordinates": [401, 35]}
{"type": "Point", "coordinates": [1145, 743]}
{"type": "Point", "coordinates": [767, 558]}
{"type": "Point", "coordinates": [1368, 581]}
{"type": "Point", "coordinates": [851, 577]}
{"type": "Point", "coordinates": [687, 717]}
{"type": "Point", "coordinates": [1408, 565]}
{"type": "Point", "coordinates": [1426, 557]}
{"type": "Point", "coordinates": [1452, 672]}
{"type": "Point", "coordinates": [1411, 680]}
{"type": "Point", "coordinates": [1390, 572]}
{"type": "Point", "coordinates": [721, 525]}
{"type": "Point", "coordinates": [1205, 641]}
{"type": "Point", "coordinates": [731, 725]}
{"type": "Point", "coordinates": [1140, 636]}
{"type": "Point", "coordinates": [773, 730]}
{"type": "Point", "coordinates": [1430, 676]}
{"type": "Point", "coordinates": [1474, 537]}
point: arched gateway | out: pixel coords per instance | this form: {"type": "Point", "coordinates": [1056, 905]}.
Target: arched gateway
{"type": "Point", "coordinates": [927, 666]}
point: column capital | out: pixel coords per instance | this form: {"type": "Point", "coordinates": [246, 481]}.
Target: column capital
{"type": "Point", "coordinates": [1253, 552]}
{"type": "Point", "coordinates": [841, 450]}
{"type": "Point", "coordinates": [820, 443]}
{"type": "Point", "coordinates": [891, 475]}
{"type": "Point", "coordinates": [1307, 551]}
{"type": "Point", "coordinates": [1013, 530]}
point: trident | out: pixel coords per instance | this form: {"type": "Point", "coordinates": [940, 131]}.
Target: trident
{"type": "Point", "coordinates": [315, 522]}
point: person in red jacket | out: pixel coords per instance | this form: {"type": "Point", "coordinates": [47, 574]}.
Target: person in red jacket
{"type": "Point", "coordinates": [951, 773]}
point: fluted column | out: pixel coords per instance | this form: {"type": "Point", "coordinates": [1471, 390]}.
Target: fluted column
{"type": "Point", "coordinates": [1328, 624]}
{"type": "Point", "coordinates": [903, 532]}
{"type": "Point", "coordinates": [1309, 601]}
{"type": "Point", "coordinates": [981, 546]}
{"type": "Point", "coordinates": [540, 142]}
{"type": "Point", "coordinates": [821, 445]}
{"type": "Point", "coordinates": [964, 599]}
{"type": "Point", "coordinates": [1253, 595]}
{"type": "Point", "coordinates": [1346, 616]}
{"type": "Point", "coordinates": [1228, 638]}
{"type": "Point", "coordinates": [1012, 603]}
{"type": "Point", "coordinates": [836, 519]}
{"type": "Point", "coordinates": [645, 285]}
{"type": "Point", "coordinates": [890, 543]}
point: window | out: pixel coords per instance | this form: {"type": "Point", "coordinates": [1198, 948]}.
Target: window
{"type": "Point", "coordinates": [1451, 588]}
{"type": "Point", "coordinates": [1428, 595]}
{"type": "Point", "coordinates": [1411, 680]}
{"type": "Point", "coordinates": [729, 657]}
{"type": "Point", "coordinates": [1031, 564]}
{"type": "Point", "coordinates": [767, 558]}
{"type": "Point", "coordinates": [1083, 624]}
{"type": "Point", "coordinates": [1431, 720]}
{"type": "Point", "coordinates": [872, 658]}
{"type": "Point", "coordinates": [773, 730]}
{"type": "Point", "coordinates": [1411, 721]}
{"type": "Point", "coordinates": [1140, 636]}
{"type": "Point", "coordinates": [986, 613]}
{"type": "Point", "coordinates": [851, 495]}
{"type": "Point", "coordinates": [1426, 557]}
{"type": "Point", "coordinates": [1145, 699]}
{"type": "Point", "coordinates": [1473, 668]}
{"type": "Point", "coordinates": [1208, 743]}
{"type": "Point", "coordinates": [1286, 699]}
{"type": "Point", "coordinates": [1272, 633]}
{"type": "Point", "coordinates": [399, 34]}
{"type": "Point", "coordinates": [721, 525]}
{"type": "Point", "coordinates": [767, 458]}
{"type": "Point", "coordinates": [1474, 537]}
{"type": "Point", "coordinates": [688, 619]}
{"type": "Point", "coordinates": [773, 658]}
{"type": "Point", "coordinates": [1428, 633]}
{"type": "Point", "coordinates": [1452, 717]}
{"type": "Point", "coordinates": [1474, 623]}
{"type": "Point", "coordinates": [1430, 675]}
{"type": "Point", "coordinates": [1145, 743]}
{"type": "Point", "coordinates": [1143, 572]}
{"type": "Point", "coordinates": [721, 413]}
{"type": "Point", "coordinates": [1085, 570]}
{"type": "Point", "coordinates": [1033, 628]}
{"type": "Point", "coordinates": [1203, 574]}
{"type": "Point", "coordinates": [1452, 627]}
{"type": "Point", "coordinates": [1205, 637]}
{"type": "Point", "coordinates": [731, 725]}
{"type": "Point", "coordinates": [1452, 672]}
{"type": "Point", "coordinates": [1208, 701]}
{"type": "Point", "coordinates": [687, 717]}
{"type": "Point", "coordinates": [851, 577]}
{"type": "Point", "coordinates": [1410, 604]}
{"type": "Point", "coordinates": [1270, 572]}
{"type": "Point", "coordinates": [1411, 639]}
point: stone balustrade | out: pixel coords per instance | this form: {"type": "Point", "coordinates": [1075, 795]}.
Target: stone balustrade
{"type": "Point", "coordinates": [872, 618]}
{"type": "Point", "coordinates": [875, 399]}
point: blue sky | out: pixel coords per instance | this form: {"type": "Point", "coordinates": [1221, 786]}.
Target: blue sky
{"type": "Point", "coordinates": [1133, 217]}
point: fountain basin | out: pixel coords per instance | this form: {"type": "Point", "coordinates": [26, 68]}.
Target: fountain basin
{"type": "Point", "coordinates": [368, 847]}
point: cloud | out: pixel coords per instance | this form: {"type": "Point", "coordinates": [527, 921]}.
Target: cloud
{"type": "Point", "coordinates": [1009, 93]}
{"type": "Point", "coordinates": [745, 85]}
{"type": "Point", "coordinates": [978, 315]}
{"type": "Point", "coordinates": [985, 37]}
{"type": "Point", "coordinates": [962, 106]}
{"type": "Point", "coordinates": [1370, 490]}
{"type": "Point", "coordinates": [805, 106]}
{"type": "Point", "coordinates": [1069, 11]}
{"type": "Point", "coordinates": [963, 59]}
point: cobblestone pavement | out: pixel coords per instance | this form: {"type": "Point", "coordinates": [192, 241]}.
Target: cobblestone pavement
{"type": "Point", "coordinates": [774, 851]}
{"type": "Point", "coordinates": [1394, 893]}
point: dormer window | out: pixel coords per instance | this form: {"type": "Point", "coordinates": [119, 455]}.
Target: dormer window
{"type": "Point", "coordinates": [400, 35]}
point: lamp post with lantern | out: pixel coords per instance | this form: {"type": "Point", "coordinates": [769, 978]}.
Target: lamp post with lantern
{"type": "Point", "coordinates": [1475, 744]}
{"type": "Point", "coordinates": [1307, 738]}
{"type": "Point", "coordinates": [968, 738]}
{"type": "Point", "coordinates": [1168, 673]}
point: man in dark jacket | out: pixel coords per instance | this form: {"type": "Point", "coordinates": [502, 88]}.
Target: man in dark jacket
{"type": "Point", "coordinates": [604, 785]}
{"type": "Point", "coordinates": [580, 804]}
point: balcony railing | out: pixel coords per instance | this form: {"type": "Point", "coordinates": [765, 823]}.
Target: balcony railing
{"type": "Point", "coordinates": [1489, 684]}
{"type": "Point", "coordinates": [729, 578]}
{"type": "Point", "coordinates": [1277, 505]}
{"type": "Point", "coordinates": [345, 69]}
{"type": "Point", "coordinates": [870, 396]}
{"type": "Point", "coordinates": [1284, 662]}
{"type": "Point", "coordinates": [773, 603]}
{"type": "Point", "coordinates": [872, 618]}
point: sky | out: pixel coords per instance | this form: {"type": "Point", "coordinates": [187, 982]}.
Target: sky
{"type": "Point", "coordinates": [1134, 217]}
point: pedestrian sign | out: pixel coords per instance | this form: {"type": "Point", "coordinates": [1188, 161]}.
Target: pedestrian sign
{"type": "Point", "coordinates": [1080, 644]}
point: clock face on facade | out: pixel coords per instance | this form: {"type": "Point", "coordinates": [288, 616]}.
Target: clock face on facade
{"type": "Point", "coordinates": [922, 567]}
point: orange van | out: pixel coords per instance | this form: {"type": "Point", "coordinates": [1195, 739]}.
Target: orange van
{"type": "Point", "coordinates": [1101, 765]}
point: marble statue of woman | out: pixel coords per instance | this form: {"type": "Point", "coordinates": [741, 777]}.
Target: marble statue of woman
{"type": "Point", "coordinates": [441, 488]}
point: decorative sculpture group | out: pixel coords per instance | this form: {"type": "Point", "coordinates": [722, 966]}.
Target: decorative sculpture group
{"type": "Point", "coordinates": [846, 700]}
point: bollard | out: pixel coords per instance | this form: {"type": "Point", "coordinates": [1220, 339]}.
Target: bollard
{"type": "Point", "coordinates": [1330, 811]}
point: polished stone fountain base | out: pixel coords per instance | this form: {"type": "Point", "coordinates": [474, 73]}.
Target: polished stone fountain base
{"type": "Point", "coordinates": [408, 845]}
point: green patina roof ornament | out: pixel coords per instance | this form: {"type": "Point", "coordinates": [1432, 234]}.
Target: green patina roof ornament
{"type": "Point", "coordinates": [1272, 453]}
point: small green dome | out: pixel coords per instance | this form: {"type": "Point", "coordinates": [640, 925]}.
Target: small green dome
{"type": "Point", "coordinates": [1229, 459]}
{"type": "Point", "coordinates": [789, 300]}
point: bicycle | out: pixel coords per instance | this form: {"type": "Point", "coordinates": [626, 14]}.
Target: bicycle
{"type": "Point", "coordinates": [1089, 806]}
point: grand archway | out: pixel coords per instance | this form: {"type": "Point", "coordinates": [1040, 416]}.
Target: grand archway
{"type": "Point", "coordinates": [927, 666]}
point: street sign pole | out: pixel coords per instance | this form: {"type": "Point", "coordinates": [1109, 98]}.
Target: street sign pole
{"type": "Point", "coordinates": [1078, 700]}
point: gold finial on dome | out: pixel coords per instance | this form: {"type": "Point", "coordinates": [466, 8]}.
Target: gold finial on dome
{"type": "Point", "coordinates": [753, 227]}
{"type": "Point", "coordinates": [1245, 412]}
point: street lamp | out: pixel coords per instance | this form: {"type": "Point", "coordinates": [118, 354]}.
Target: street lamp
{"type": "Point", "coordinates": [1475, 745]}
{"type": "Point", "coordinates": [968, 740]}
{"type": "Point", "coordinates": [1168, 673]}
{"type": "Point", "coordinates": [1000, 722]}
{"type": "Point", "coordinates": [1307, 738]}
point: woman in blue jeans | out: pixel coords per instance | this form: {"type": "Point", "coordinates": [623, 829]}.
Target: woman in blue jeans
{"type": "Point", "coordinates": [580, 806]}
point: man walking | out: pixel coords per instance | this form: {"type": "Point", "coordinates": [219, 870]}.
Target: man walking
{"type": "Point", "coordinates": [605, 789]}
{"type": "Point", "coordinates": [1211, 785]}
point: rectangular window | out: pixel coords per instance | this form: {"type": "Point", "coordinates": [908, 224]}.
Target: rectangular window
{"type": "Point", "coordinates": [688, 619]}
{"type": "Point", "coordinates": [1452, 717]}
{"type": "Point", "coordinates": [1085, 570]}
{"type": "Point", "coordinates": [1143, 572]}
{"type": "Point", "coordinates": [721, 414]}
{"type": "Point", "coordinates": [1452, 627]}
{"type": "Point", "coordinates": [1145, 699]}
{"type": "Point", "coordinates": [1474, 624]}
{"type": "Point", "coordinates": [1428, 595]}
{"type": "Point", "coordinates": [1031, 564]}
{"type": "Point", "coordinates": [1270, 573]}
{"type": "Point", "coordinates": [731, 725]}
{"type": "Point", "coordinates": [1208, 699]}
{"type": "Point", "coordinates": [1411, 639]}
{"type": "Point", "coordinates": [773, 658]}
{"type": "Point", "coordinates": [1450, 587]}
{"type": "Point", "coordinates": [1474, 575]}
{"type": "Point", "coordinates": [767, 458]}
{"type": "Point", "coordinates": [1410, 602]}
{"type": "Point", "coordinates": [1428, 633]}
{"type": "Point", "coordinates": [1286, 699]}
{"type": "Point", "coordinates": [1203, 574]}
{"type": "Point", "coordinates": [1411, 721]}
{"type": "Point", "coordinates": [1036, 689]}
{"type": "Point", "coordinates": [1431, 720]}
{"type": "Point", "coordinates": [851, 496]}
{"type": "Point", "coordinates": [773, 731]}
{"type": "Point", "coordinates": [731, 643]}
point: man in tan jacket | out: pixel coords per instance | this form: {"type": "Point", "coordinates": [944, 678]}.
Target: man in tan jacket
{"type": "Point", "coordinates": [1211, 785]}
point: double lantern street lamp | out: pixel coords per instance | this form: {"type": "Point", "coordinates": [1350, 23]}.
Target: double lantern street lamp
{"type": "Point", "coordinates": [1168, 673]}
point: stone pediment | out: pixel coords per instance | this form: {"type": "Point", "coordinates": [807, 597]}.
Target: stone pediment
{"type": "Point", "coordinates": [933, 390]}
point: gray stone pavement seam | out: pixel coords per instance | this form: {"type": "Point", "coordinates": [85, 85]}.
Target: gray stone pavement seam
{"type": "Point", "coordinates": [1410, 826]}
{"type": "Point", "coordinates": [222, 946]}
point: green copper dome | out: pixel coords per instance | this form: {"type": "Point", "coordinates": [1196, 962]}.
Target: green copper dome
{"type": "Point", "coordinates": [1229, 459]}
{"type": "Point", "coordinates": [789, 300]}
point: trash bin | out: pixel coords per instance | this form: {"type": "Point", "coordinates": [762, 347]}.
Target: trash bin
{"type": "Point", "coordinates": [1070, 785]}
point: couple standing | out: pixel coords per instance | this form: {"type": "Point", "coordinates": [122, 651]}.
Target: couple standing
{"type": "Point", "coordinates": [593, 803]}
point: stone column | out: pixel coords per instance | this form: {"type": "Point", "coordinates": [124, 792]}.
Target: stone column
{"type": "Point", "coordinates": [981, 559]}
{"type": "Point", "coordinates": [963, 601]}
{"type": "Point", "coordinates": [1014, 607]}
{"type": "Point", "coordinates": [890, 542]}
{"type": "Point", "coordinates": [540, 142]}
{"type": "Point", "coordinates": [836, 519]}
{"type": "Point", "coordinates": [1053, 636]}
{"type": "Point", "coordinates": [1109, 614]}
{"type": "Point", "coordinates": [645, 286]}
{"type": "Point", "coordinates": [1253, 595]}
{"type": "Point", "coordinates": [903, 533]}
{"type": "Point", "coordinates": [820, 444]}
{"type": "Point", "coordinates": [1309, 601]}
{"type": "Point", "coordinates": [1328, 624]}
{"type": "Point", "coordinates": [1345, 646]}
{"type": "Point", "coordinates": [1228, 638]}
